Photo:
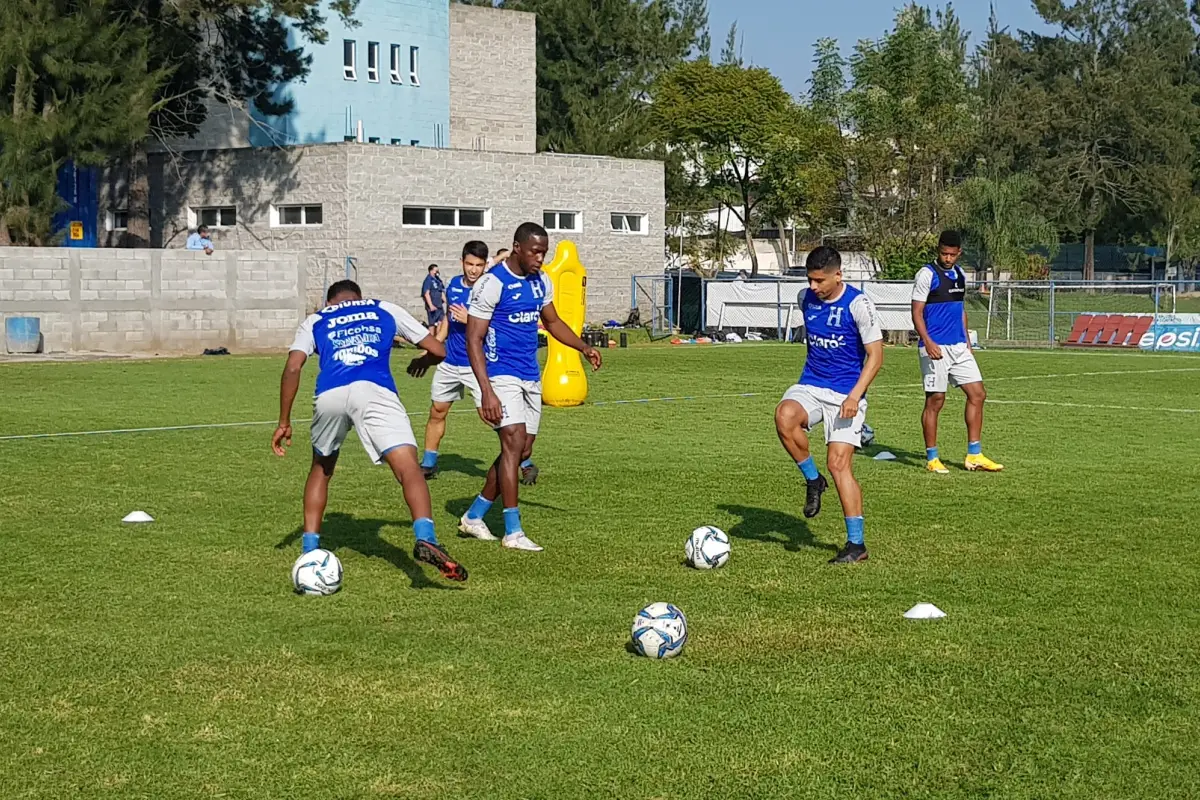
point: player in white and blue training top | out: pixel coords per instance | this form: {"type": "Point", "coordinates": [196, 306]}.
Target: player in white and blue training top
{"type": "Point", "coordinates": [940, 316]}
{"type": "Point", "coordinates": [352, 338]}
{"type": "Point", "coordinates": [502, 345]}
{"type": "Point", "coordinates": [453, 377]}
{"type": "Point", "coordinates": [845, 352]}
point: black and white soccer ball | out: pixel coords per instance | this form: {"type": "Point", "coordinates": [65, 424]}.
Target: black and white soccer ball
{"type": "Point", "coordinates": [317, 572]}
{"type": "Point", "coordinates": [707, 548]}
{"type": "Point", "coordinates": [868, 436]}
{"type": "Point", "coordinates": [659, 631]}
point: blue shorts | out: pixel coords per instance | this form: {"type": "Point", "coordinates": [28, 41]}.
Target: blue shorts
{"type": "Point", "coordinates": [435, 317]}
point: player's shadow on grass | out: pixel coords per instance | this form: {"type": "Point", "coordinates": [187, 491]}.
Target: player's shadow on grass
{"type": "Point", "coordinates": [905, 457]}
{"type": "Point", "coordinates": [774, 527]}
{"type": "Point", "coordinates": [471, 467]}
{"type": "Point", "coordinates": [365, 537]}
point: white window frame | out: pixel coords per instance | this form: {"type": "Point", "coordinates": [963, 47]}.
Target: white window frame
{"type": "Point", "coordinates": [395, 65]}
{"type": "Point", "coordinates": [195, 213]}
{"type": "Point", "coordinates": [624, 230]}
{"type": "Point", "coordinates": [556, 228]}
{"type": "Point", "coordinates": [487, 218]}
{"type": "Point", "coordinates": [373, 62]}
{"type": "Point", "coordinates": [350, 70]}
{"type": "Point", "coordinates": [277, 217]}
{"type": "Point", "coordinates": [414, 65]}
{"type": "Point", "coordinates": [110, 220]}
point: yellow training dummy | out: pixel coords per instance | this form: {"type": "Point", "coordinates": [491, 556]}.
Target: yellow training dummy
{"type": "Point", "coordinates": [564, 381]}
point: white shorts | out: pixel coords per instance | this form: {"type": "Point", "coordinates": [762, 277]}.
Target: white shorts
{"type": "Point", "coordinates": [520, 402]}
{"type": "Point", "coordinates": [825, 405]}
{"type": "Point", "coordinates": [377, 415]}
{"type": "Point", "coordinates": [450, 384]}
{"type": "Point", "coordinates": [956, 367]}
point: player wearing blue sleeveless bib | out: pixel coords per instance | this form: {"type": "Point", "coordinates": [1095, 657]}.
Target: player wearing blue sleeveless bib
{"type": "Point", "coordinates": [352, 338]}
{"type": "Point", "coordinates": [502, 344]}
{"type": "Point", "coordinates": [940, 316]}
{"type": "Point", "coordinates": [453, 377]}
{"type": "Point", "coordinates": [845, 352]}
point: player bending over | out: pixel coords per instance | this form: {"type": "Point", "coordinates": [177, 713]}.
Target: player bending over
{"type": "Point", "coordinates": [845, 352]}
{"type": "Point", "coordinates": [940, 316]}
{"type": "Point", "coordinates": [502, 344]}
{"type": "Point", "coordinates": [352, 338]}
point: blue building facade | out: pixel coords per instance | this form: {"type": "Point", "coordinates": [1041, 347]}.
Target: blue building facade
{"type": "Point", "coordinates": [391, 72]}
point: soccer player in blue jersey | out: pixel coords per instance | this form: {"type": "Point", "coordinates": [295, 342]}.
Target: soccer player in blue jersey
{"type": "Point", "coordinates": [353, 338]}
{"type": "Point", "coordinates": [940, 316]}
{"type": "Point", "coordinates": [845, 352]}
{"type": "Point", "coordinates": [502, 345]}
{"type": "Point", "coordinates": [453, 377]}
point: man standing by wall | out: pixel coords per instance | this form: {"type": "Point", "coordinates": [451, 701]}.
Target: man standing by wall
{"type": "Point", "coordinates": [200, 240]}
{"type": "Point", "coordinates": [434, 293]}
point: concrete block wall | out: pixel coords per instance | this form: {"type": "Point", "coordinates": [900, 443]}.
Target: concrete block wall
{"type": "Point", "coordinates": [155, 301]}
{"type": "Point", "coordinates": [363, 189]}
{"type": "Point", "coordinates": [493, 79]}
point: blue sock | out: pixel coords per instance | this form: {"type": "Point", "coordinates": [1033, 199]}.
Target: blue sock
{"type": "Point", "coordinates": [527, 463]}
{"type": "Point", "coordinates": [429, 460]}
{"type": "Point", "coordinates": [974, 448]}
{"type": "Point", "coordinates": [423, 528]}
{"type": "Point", "coordinates": [809, 469]}
{"type": "Point", "coordinates": [854, 530]}
{"type": "Point", "coordinates": [512, 521]}
{"type": "Point", "coordinates": [310, 542]}
{"type": "Point", "coordinates": [931, 453]}
{"type": "Point", "coordinates": [480, 507]}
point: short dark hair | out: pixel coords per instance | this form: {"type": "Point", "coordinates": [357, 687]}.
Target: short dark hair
{"type": "Point", "coordinates": [475, 248]}
{"type": "Point", "coordinates": [822, 259]}
{"type": "Point", "coordinates": [502, 252]}
{"type": "Point", "coordinates": [529, 230]}
{"type": "Point", "coordinates": [201, 228]}
{"type": "Point", "coordinates": [950, 239]}
{"type": "Point", "coordinates": [343, 287]}
{"type": "Point", "coordinates": [432, 267]}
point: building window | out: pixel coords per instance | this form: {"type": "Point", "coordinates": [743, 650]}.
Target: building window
{"type": "Point", "coordinates": [414, 65]}
{"type": "Point", "coordinates": [117, 220]}
{"type": "Point", "coordinates": [373, 62]}
{"type": "Point", "coordinates": [213, 217]}
{"type": "Point", "coordinates": [295, 216]}
{"type": "Point", "coordinates": [629, 224]}
{"type": "Point", "coordinates": [563, 221]}
{"type": "Point", "coordinates": [395, 71]}
{"type": "Point", "coordinates": [348, 60]}
{"type": "Point", "coordinates": [441, 217]}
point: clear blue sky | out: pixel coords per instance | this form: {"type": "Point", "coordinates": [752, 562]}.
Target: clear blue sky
{"type": "Point", "coordinates": [780, 34]}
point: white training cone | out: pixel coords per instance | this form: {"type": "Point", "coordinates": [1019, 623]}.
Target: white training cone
{"type": "Point", "coordinates": [138, 516]}
{"type": "Point", "coordinates": [924, 611]}
{"type": "Point", "coordinates": [886, 456]}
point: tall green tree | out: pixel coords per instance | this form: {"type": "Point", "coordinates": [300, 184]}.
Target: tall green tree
{"type": "Point", "coordinates": [909, 119]}
{"type": "Point", "coordinates": [1094, 109]}
{"type": "Point", "coordinates": [1001, 217]}
{"type": "Point", "coordinates": [746, 143]}
{"type": "Point", "coordinates": [73, 85]}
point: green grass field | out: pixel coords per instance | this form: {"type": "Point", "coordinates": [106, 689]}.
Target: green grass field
{"type": "Point", "coordinates": [173, 661]}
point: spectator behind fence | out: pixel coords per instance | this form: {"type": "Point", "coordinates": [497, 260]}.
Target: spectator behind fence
{"type": "Point", "coordinates": [200, 240]}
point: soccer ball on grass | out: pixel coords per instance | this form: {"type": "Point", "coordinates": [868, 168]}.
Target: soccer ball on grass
{"type": "Point", "coordinates": [659, 631]}
{"type": "Point", "coordinates": [317, 572]}
{"type": "Point", "coordinates": [707, 548]}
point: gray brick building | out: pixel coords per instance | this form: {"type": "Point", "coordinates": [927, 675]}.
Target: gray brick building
{"type": "Point", "coordinates": [395, 208]}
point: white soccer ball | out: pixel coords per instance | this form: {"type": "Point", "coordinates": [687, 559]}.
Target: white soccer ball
{"type": "Point", "coordinates": [707, 548]}
{"type": "Point", "coordinates": [659, 631]}
{"type": "Point", "coordinates": [868, 435]}
{"type": "Point", "coordinates": [317, 572]}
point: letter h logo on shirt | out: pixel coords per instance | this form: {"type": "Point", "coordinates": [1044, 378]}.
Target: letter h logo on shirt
{"type": "Point", "coordinates": [835, 317]}
{"type": "Point", "coordinates": [536, 287]}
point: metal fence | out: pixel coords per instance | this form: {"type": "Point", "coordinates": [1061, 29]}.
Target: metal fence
{"type": "Point", "coordinates": [1013, 312]}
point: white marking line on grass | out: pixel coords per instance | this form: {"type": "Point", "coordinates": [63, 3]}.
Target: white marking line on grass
{"type": "Point", "coordinates": [680, 398]}
{"type": "Point", "coordinates": [1094, 406]}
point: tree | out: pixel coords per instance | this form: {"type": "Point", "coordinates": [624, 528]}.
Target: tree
{"type": "Point", "coordinates": [1091, 110]}
{"type": "Point", "coordinates": [73, 85]}
{"type": "Point", "coordinates": [596, 63]}
{"type": "Point", "coordinates": [909, 119]}
{"type": "Point", "coordinates": [1001, 216]}
{"type": "Point", "coordinates": [744, 141]}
